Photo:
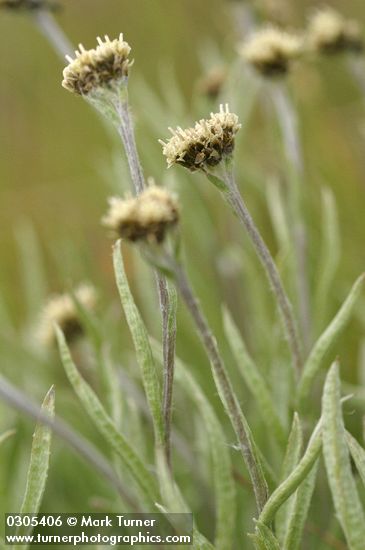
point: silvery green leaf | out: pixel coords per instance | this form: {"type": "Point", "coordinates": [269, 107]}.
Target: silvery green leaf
{"type": "Point", "coordinates": [292, 482]}
{"type": "Point", "coordinates": [39, 463]}
{"type": "Point", "coordinates": [292, 456]}
{"type": "Point", "coordinates": [358, 455]}
{"type": "Point", "coordinates": [299, 511]}
{"type": "Point", "coordinates": [254, 379]}
{"type": "Point", "coordinates": [327, 338]}
{"type": "Point", "coordinates": [140, 338]}
{"type": "Point", "coordinates": [106, 426]}
{"type": "Point", "coordinates": [337, 461]}
{"type": "Point", "coordinates": [264, 538]}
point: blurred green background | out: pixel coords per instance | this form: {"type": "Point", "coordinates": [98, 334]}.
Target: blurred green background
{"type": "Point", "coordinates": [55, 154]}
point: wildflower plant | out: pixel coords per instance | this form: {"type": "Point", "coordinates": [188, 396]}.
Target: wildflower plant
{"type": "Point", "coordinates": [167, 444]}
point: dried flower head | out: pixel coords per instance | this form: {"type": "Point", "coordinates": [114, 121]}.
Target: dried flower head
{"type": "Point", "coordinates": [61, 310]}
{"type": "Point", "coordinates": [29, 5]}
{"type": "Point", "coordinates": [271, 50]}
{"type": "Point", "coordinates": [330, 33]}
{"type": "Point", "coordinates": [212, 83]}
{"type": "Point", "coordinates": [206, 144]}
{"type": "Point", "coordinates": [147, 217]}
{"type": "Point", "coordinates": [105, 66]}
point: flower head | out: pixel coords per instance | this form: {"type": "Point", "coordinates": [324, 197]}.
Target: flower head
{"type": "Point", "coordinates": [331, 33]}
{"type": "Point", "coordinates": [271, 50]}
{"type": "Point", "coordinates": [212, 83]}
{"type": "Point", "coordinates": [61, 310]}
{"type": "Point", "coordinates": [143, 218]}
{"type": "Point", "coordinates": [206, 144]}
{"type": "Point", "coordinates": [104, 66]}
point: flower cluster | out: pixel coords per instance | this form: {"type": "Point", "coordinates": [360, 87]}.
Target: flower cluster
{"type": "Point", "coordinates": [330, 33]}
{"type": "Point", "coordinates": [271, 50]}
{"type": "Point", "coordinates": [206, 144]}
{"type": "Point", "coordinates": [62, 311]}
{"type": "Point", "coordinates": [104, 66]}
{"type": "Point", "coordinates": [143, 218]}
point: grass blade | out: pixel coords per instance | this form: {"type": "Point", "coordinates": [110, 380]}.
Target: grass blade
{"type": "Point", "coordinates": [253, 378]}
{"type": "Point", "coordinates": [39, 463]}
{"type": "Point", "coordinates": [298, 475]}
{"type": "Point", "coordinates": [291, 459]}
{"type": "Point", "coordinates": [328, 337]}
{"type": "Point", "coordinates": [299, 511]}
{"type": "Point", "coordinates": [358, 455]}
{"type": "Point", "coordinates": [337, 461]}
{"type": "Point", "coordinates": [106, 426]}
{"type": "Point", "coordinates": [141, 342]}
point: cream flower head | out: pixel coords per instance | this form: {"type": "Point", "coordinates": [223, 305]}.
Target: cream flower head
{"type": "Point", "coordinates": [103, 66]}
{"type": "Point", "coordinates": [329, 32]}
{"type": "Point", "coordinates": [144, 218]}
{"type": "Point", "coordinates": [271, 50]}
{"type": "Point", "coordinates": [206, 144]}
{"type": "Point", "coordinates": [61, 310]}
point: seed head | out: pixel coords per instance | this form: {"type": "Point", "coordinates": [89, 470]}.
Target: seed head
{"type": "Point", "coordinates": [330, 33]}
{"type": "Point", "coordinates": [144, 218]}
{"type": "Point", "coordinates": [270, 51]}
{"type": "Point", "coordinates": [206, 144]}
{"type": "Point", "coordinates": [61, 310]}
{"type": "Point", "coordinates": [104, 66]}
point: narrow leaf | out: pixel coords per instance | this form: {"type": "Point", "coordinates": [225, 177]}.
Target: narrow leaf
{"type": "Point", "coordinates": [287, 487]}
{"type": "Point", "coordinates": [142, 345]}
{"type": "Point", "coordinates": [358, 455]}
{"type": "Point", "coordinates": [254, 379]}
{"type": "Point", "coordinates": [299, 511]}
{"type": "Point", "coordinates": [337, 460]}
{"type": "Point", "coordinates": [328, 337]}
{"type": "Point", "coordinates": [105, 424]}
{"type": "Point", "coordinates": [291, 459]}
{"type": "Point", "coordinates": [39, 462]}
{"type": "Point", "coordinates": [264, 538]}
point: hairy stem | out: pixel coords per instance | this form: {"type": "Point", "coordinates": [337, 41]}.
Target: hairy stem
{"type": "Point", "coordinates": [126, 132]}
{"type": "Point", "coordinates": [288, 121]}
{"type": "Point", "coordinates": [49, 27]}
{"type": "Point", "coordinates": [235, 200]}
{"type": "Point", "coordinates": [167, 306]}
{"type": "Point", "coordinates": [224, 387]}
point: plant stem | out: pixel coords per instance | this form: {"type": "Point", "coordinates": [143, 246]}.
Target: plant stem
{"type": "Point", "coordinates": [19, 401]}
{"type": "Point", "coordinates": [288, 121]}
{"type": "Point", "coordinates": [224, 386]}
{"type": "Point", "coordinates": [49, 27]}
{"type": "Point", "coordinates": [167, 306]}
{"type": "Point", "coordinates": [235, 200]}
{"type": "Point", "coordinates": [126, 132]}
